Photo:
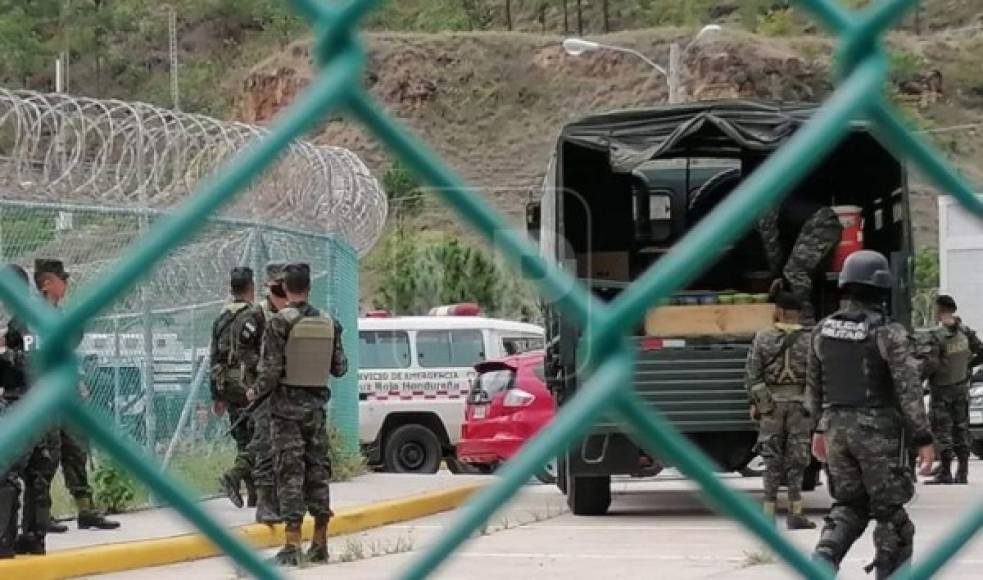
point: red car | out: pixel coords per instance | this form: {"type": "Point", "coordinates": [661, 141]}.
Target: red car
{"type": "Point", "coordinates": [507, 405]}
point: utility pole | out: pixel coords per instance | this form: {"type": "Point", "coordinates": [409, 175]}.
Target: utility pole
{"type": "Point", "coordinates": [673, 76]}
{"type": "Point", "coordinates": [172, 45]}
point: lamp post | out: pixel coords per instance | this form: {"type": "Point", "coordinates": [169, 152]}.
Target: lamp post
{"type": "Point", "coordinates": [579, 46]}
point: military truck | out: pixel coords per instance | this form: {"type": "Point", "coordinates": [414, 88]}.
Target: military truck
{"type": "Point", "coordinates": [622, 188]}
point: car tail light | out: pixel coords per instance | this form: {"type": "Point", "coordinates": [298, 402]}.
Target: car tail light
{"type": "Point", "coordinates": [518, 398]}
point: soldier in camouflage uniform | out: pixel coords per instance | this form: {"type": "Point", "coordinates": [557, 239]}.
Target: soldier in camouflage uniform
{"type": "Point", "coordinates": [775, 378]}
{"type": "Point", "coordinates": [953, 349]}
{"type": "Point", "coordinates": [799, 236]}
{"type": "Point", "coordinates": [863, 385]}
{"type": "Point", "coordinates": [249, 332]}
{"type": "Point", "coordinates": [301, 350]}
{"type": "Point", "coordinates": [13, 386]}
{"type": "Point", "coordinates": [228, 389]}
{"type": "Point", "coordinates": [41, 464]}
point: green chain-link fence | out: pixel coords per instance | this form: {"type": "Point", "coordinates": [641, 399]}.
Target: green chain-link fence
{"type": "Point", "coordinates": [862, 69]}
{"type": "Point", "coordinates": [144, 366]}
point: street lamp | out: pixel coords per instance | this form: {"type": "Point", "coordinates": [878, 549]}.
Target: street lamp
{"type": "Point", "coordinates": [579, 46]}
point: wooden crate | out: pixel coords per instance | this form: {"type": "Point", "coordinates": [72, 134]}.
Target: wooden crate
{"type": "Point", "coordinates": [709, 320]}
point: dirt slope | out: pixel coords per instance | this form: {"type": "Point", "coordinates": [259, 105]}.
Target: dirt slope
{"type": "Point", "coordinates": [491, 104]}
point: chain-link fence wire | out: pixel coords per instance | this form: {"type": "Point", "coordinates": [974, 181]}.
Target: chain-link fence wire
{"type": "Point", "coordinates": [144, 364]}
{"type": "Point", "coordinates": [862, 71]}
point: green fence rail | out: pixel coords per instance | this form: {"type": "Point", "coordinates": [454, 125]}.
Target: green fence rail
{"type": "Point", "coordinates": [862, 70]}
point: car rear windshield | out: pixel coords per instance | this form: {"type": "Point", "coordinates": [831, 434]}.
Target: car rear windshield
{"type": "Point", "coordinates": [488, 383]}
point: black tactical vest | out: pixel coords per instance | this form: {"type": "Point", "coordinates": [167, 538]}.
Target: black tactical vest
{"type": "Point", "coordinates": [854, 373]}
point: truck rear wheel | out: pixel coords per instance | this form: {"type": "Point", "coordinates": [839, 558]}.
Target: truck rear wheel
{"type": "Point", "coordinates": [411, 449]}
{"type": "Point", "coordinates": [589, 496]}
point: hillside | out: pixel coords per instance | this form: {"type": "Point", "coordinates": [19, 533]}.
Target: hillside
{"type": "Point", "coordinates": [491, 103]}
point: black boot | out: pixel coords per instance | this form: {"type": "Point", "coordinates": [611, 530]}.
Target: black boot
{"type": "Point", "coordinates": [8, 521]}
{"type": "Point", "coordinates": [945, 471]}
{"type": "Point", "coordinates": [29, 544]}
{"type": "Point", "coordinates": [230, 486]}
{"type": "Point", "coordinates": [962, 470]}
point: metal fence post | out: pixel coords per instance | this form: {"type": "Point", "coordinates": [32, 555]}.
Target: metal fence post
{"type": "Point", "coordinates": [342, 287]}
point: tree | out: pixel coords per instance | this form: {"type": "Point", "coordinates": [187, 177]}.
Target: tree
{"type": "Point", "coordinates": [403, 191]}
{"type": "Point", "coordinates": [22, 52]}
{"type": "Point", "coordinates": [605, 13]}
{"type": "Point", "coordinates": [566, 18]}
{"type": "Point", "coordinates": [508, 14]}
{"type": "Point", "coordinates": [580, 18]}
{"type": "Point", "coordinates": [421, 272]}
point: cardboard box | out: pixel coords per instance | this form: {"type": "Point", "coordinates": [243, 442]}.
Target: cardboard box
{"type": "Point", "coordinates": [709, 320]}
{"type": "Point", "coordinates": [604, 266]}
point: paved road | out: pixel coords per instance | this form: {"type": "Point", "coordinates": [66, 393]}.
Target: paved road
{"type": "Point", "coordinates": [656, 527]}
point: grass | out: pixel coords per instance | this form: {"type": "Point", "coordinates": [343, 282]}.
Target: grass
{"type": "Point", "coordinates": [758, 558]}
{"type": "Point", "coordinates": [198, 469]}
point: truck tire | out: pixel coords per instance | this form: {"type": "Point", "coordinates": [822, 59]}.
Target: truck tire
{"type": "Point", "coordinates": [411, 449]}
{"type": "Point", "coordinates": [561, 474]}
{"type": "Point", "coordinates": [589, 496]}
{"type": "Point", "coordinates": [547, 475]}
{"type": "Point", "coordinates": [978, 448]}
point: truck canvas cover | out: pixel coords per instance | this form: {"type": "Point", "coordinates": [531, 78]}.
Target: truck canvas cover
{"type": "Point", "coordinates": [714, 127]}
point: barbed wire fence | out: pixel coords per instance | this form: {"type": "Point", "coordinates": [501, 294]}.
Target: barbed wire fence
{"type": "Point", "coordinates": [82, 179]}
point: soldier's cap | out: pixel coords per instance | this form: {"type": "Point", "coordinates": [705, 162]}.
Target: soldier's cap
{"type": "Point", "coordinates": [946, 302]}
{"type": "Point", "coordinates": [299, 267]}
{"type": "Point", "coordinates": [50, 266]}
{"type": "Point", "coordinates": [241, 275]}
{"type": "Point", "coordinates": [787, 301]}
{"type": "Point", "coordinates": [274, 273]}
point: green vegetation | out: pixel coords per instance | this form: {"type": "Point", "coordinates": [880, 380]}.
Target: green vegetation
{"type": "Point", "coordinates": [421, 270]}
{"type": "Point", "coordinates": [113, 488]}
{"type": "Point", "coordinates": [403, 190]}
{"type": "Point", "coordinates": [926, 288]}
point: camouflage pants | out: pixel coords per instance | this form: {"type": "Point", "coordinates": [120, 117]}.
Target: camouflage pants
{"type": "Point", "coordinates": [302, 468]}
{"type": "Point", "coordinates": [869, 478]}
{"type": "Point", "coordinates": [74, 465]}
{"type": "Point", "coordinates": [784, 439]}
{"type": "Point", "coordinates": [39, 471]}
{"type": "Point", "coordinates": [949, 414]}
{"type": "Point", "coordinates": [261, 447]}
{"type": "Point", "coordinates": [242, 434]}
{"type": "Point", "coordinates": [9, 499]}
{"type": "Point", "coordinates": [819, 237]}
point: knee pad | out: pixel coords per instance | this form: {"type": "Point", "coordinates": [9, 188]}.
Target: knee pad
{"type": "Point", "coordinates": [844, 524]}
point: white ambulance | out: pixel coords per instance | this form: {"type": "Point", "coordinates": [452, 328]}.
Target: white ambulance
{"type": "Point", "coordinates": [414, 377]}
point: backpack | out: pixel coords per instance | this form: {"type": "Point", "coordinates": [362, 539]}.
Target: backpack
{"type": "Point", "coordinates": [309, 350]}
{"type": "Point", "coordinates": [226, 365]}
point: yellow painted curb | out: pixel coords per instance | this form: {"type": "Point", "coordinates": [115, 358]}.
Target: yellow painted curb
{"type": "Point", "coordinates": [106, 558]}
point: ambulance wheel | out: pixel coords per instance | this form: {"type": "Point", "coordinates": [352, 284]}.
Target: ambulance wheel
{"type": "Point", "coordinates": [412, 449]}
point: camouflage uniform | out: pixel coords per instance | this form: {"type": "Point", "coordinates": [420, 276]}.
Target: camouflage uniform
{"type": "Point", "coordinates": [811, 244]}
{"type": "Point", "coordinates": [863, 381]}
{"type": "Point", "coordinates": [952, 352]}
{"type": "Point", "coordinates": [775, 379]}
{"type": "Point", "coordinates": [298, 424]}
{"type": "Point", "coordinates": [249, 333]}
{"type": "Point", "coordinates": [40, 462]}
{"type": "Point", "coordinates": [9, 499]}
{"type": "Point", "coordinates": [227, 386]}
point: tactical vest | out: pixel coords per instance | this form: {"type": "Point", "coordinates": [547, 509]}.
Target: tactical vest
{"type": "Point", "coordinates": [956, 354]}
{"type": "Point", "coordinates": [854, 373]}
{"type": "Point", "coordinates": [309, 351]}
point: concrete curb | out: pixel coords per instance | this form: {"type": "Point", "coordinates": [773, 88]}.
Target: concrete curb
{"type": "Point", "coordinates": [106, 558]}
